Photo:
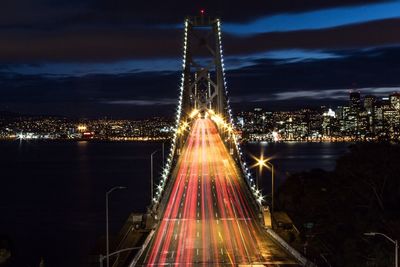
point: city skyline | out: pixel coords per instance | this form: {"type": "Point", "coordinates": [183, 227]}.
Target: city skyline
{"type": "Point", "coordinates": [362, 118]}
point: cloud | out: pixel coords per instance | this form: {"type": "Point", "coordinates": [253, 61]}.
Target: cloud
{"type": "Point", "coordinates": [326, 80]}
{"type": "Point", "coordinates": [56, 69]}
{"type": "Point", "coordinates": [68, 69]}
{"type": "Point", "coordinates": [89, 45]}
{"type": "Point", "coordinates": [62, 13]}
{"type": "Point", "coordinates": [326, 94]}
{"type": "Point", "coordinates": [121, 46]}
{"type": "Point", "coordinates": [112, 45]}
{"type": "Point", "coordinates": [317, 19]}
{"type": "Point", "coordinates": [335, 94]}
{"type": "Point", "coordinates": [302, 98]}
{"type": "Point", "coordinates": [104, 31]}
{"type": "Point", "coordinates": [273, 83]}
{"type": "Point", "coordinates": [371, 34]}
{"type": "Point", "coordinates": [143, 102]}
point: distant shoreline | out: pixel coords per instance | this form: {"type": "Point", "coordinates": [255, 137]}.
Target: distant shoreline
{"type": "Point", "coordinates": [139, 139]}
{"type": "Point", "coordinates": [149, 139]}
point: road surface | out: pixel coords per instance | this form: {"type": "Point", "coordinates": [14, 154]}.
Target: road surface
{"type": "Point", "coordinates": [208, 218]}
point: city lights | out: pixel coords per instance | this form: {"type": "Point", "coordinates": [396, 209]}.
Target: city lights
{"type": "Point", "coordinates": [82, 128]}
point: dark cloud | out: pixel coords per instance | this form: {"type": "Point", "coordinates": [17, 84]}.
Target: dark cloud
{"type": "Point", "coordinates": [269, 83]}
{"type": "Point", "coordinates": [157, 12]}
{"type": "Point", "coordinates": [50, 13]}
{"type": "Point", "coordinates": [369, 68]}
{"type": "Point", "coordinates": [116, 44]}
{"type": "Point", "coordinates": [89, 45]}
{"type": "Point", "coordinates": [90, 88]}
{"type": "Point", "coordinates": [370, 34]}
{"type": "Point", "coordinates": [123, 96]}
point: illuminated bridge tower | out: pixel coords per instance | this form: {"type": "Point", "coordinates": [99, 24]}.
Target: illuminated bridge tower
{"type": "Point", "coordinates": [202, 91]}
{"type": "Point", "coordinates": [203, 68]}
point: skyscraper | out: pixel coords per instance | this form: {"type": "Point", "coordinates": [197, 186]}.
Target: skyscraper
{"type": "Point", "coordinates": [354, 111]}
{"type": "Point", "coordinates": [369, 106]}
{"type": "Point", "coordinates": [369, 103]}
{"type": "Point", "coordinates": [395, 101]}
{"type": "Point", "coordinates": [355, 102]}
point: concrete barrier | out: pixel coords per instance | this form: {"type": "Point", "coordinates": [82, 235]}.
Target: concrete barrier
{"type": "Point", "coordinates": [140, 252]}
{"type": "Point", "coordinates": [291, 250]}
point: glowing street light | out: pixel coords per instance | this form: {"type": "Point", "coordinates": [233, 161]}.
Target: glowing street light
{"type": "Point", "coordinates": [265, 162]}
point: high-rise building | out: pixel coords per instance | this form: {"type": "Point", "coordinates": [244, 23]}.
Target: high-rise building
{"type": "Point", "coordinates": [369, 107]}
{"type": "Point", "coordinates": [369, 103]}
{"type": "Point", "coordinates": [378, 117]}
{"type": "Point", "coordinates": [354, 112]}
{"type": "Point", "coordinates": [364, 127]}
{"type": "Point", "coordinates": [385, 103]}
{"type": "Point", "coordinates": [395, 101]}
{"type": "Point", "coordinates": [355, 102]}
{"type": "Point", "coordinates": [339, 112]}
{"type": "Point", "coordinates": [391, 122]}
{"type": "Point", "coordinates": [329, 119]}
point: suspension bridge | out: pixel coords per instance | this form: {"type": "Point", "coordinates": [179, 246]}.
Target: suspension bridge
{"type": "Point", "coordinates": [207, 207]}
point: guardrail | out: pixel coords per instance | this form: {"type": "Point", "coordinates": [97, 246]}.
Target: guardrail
{"type": "Point", "coordinates": [140, 252]}
{"type": "Point", "coordinates": [291, 250]}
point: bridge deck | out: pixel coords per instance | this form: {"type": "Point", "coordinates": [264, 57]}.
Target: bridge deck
{"type": "Point", "coordinates": [208, 219]}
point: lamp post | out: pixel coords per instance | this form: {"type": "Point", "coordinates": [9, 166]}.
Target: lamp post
{"type": "Point", "coordinates": [107, 238]}
{"type": "Point", "coordinates": [261, 162]}
{"type": "Point", "coordinates": [396, 246]}
{"type": "Point", "coordinates": [151, 175]}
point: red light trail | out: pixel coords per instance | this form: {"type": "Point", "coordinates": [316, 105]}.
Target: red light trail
{"type": "Point", "coordinates": [208, 218]}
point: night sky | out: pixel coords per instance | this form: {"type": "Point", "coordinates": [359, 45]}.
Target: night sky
{"type": "Point", "coordinates": [122, 58]}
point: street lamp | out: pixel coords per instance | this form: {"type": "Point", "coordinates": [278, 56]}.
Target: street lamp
{"type": "Point", "coordinates": [107, 238]}
{"type": "Point", "coordinates": [261, 162]}
{"type": "Point", "coordinates": [396, 246]}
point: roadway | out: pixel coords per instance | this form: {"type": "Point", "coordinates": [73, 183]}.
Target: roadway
{"type": "Point", "coordinates": [208, 218]}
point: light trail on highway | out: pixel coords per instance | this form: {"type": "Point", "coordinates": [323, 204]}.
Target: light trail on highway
{"type": "Point", "coordinates": [208, 218]}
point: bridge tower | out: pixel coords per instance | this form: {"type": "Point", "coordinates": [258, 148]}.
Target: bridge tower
{"type": "Point", "coordinates": [204, 85]}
